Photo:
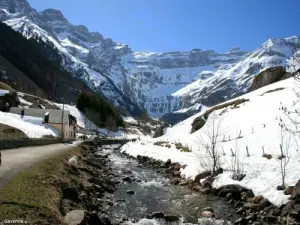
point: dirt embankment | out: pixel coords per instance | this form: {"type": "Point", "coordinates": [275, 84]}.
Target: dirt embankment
{"type": "Point", "coordinates": [66, 187]}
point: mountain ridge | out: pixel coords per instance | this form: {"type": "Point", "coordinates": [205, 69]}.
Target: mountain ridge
{"type": "Point", "coordinates": [161, 83]}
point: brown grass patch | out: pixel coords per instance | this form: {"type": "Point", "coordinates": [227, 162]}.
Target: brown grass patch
{"type": "Point", "coordinates": [34, 194]}
{"type": "Point", "coordinates": [273, 90]}
{"type": "Point", "coordinates": [8, 132]}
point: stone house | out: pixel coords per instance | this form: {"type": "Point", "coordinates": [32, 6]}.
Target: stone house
{"type": "Point", "coordinates": [60, 120]}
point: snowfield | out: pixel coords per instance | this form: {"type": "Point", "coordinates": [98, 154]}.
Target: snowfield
{"type": "Point", "coordinates": [3, 92]}
{"type": "Point", "coordinates": [256, 122]}
{"type": "Point", "coordinates": [82, 121]}
{"type": "Point", "coordinates": [33, 127]}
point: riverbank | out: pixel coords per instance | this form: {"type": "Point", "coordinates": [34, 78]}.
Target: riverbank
{"type": "Point", "coordinates": [147, 197]}
{"type": "Point", "coordinates": [80, 186]}
{"type": "Point", "coordinates": [249, 208]}
{"type": "Point", "coordinates": [50, 191]}
{"type": "Point", "coordinates": [94, 184]}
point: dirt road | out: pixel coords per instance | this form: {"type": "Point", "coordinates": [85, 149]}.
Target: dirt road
{"type": "Point", "coordinates": [16, 160]}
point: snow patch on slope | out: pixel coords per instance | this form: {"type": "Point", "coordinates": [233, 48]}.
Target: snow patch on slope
{"type": "Point", "coordinates": [260, 115]}
{"type": "Point", "coordinates": [33, 127]}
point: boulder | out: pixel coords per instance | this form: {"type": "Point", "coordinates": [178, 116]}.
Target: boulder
{"type": "Point", "coordinates": [167, 163]}
{"type": "Point", "coordinates": [205, 190]}
{"type": "Point", "coordinates": [207, 209]}
{"type": "Point", "coordinates": [177, 173]}
{"type": "Point", "coordinates": [257, 199]}
{"type": "Point", "coordinates": [256, 207]}
{"type": "Point", "coordinates": [241, 221]}
{"type": "Point", "coordinates": [202, 176]}
{"type": "Point", "coordinates": [228, 196]}
{"type": "Point", "coordinates": [296, 191]}
{"type": "Point", "coordinates": [131, 192]}
{"type": "Point", "coordinates": [235, 189]}
{"type": "Point", "coordinates": [74, 217]}
{"type": "Point", "coordinates": [183, 183]}
{"type": "Point", "coordinates": [92, 218]}
{"type": "Point", "coordinates": [251, 217]}
{"type": "Point", "coordinates": [171, 218]}
{"type": "Point", "coordinates": [292, 208]}
{"type": "Point", "coordinates": [289, 190]}
{"type": "Point", "coordinates": [71, 193]}
{"type": "Point", "coordinates": [127, 179]}
{"type": "Point", "coordinates": [280, 188]}
{"type": "Point", "coordinates": [196, 188]}
{"type": "Point", "coordinates": [206, 214]}
{"type": "Point", "coordinates": [157, 215]}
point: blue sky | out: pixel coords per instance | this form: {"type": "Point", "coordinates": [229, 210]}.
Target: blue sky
{"type": "Point", "coordinates": [171, 25]}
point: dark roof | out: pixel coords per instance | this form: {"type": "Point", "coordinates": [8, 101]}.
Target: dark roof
{"type": "Point", "coordinates": [55, 115]}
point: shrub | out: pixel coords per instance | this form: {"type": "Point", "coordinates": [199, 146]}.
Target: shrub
{"type": "Point", "coordinates": [178, 145]}
{"type": "Point", "coordinates": [185, 149]}
{"type": "Point", "coordinates": [268, 156]}
{"type": "Point", "coordinates": [161, 143]}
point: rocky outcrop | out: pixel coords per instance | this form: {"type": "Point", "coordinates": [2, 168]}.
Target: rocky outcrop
{"type": "Point", "coordinates": [269, 76]}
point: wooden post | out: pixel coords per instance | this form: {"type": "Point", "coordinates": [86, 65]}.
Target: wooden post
{"type": "Point", "coordinates": [252, 130]}
{"type": "Point", "coordinates": [229, 138]}
{"type": "Point", "coordinates": [232, 154]}
{"type": "Point", "coordinates": [263, 149]}
{"type": "Point", "coordinates": [240, 133]}
{"type": "Point", "coordinates": [248, 155]}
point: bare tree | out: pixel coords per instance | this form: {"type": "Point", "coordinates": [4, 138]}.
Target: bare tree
{"type": "Point", "coordinates": [209, 140]}
{"type": "Point", "coordinates": [284, 156]}
{"type": "Point", "coordinates": [237, 166]}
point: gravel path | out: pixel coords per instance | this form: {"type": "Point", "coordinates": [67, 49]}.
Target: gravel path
{"type": "Point", "coordinates": [16, 160]}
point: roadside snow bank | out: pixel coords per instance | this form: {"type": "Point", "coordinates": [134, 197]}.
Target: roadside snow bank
{"type": "Point", "coordinates": [3, 92]}
{"type": "Point", "coordinates": [33, 127]}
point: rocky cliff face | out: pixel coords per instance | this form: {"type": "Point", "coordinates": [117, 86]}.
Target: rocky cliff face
{"type": "Point", "coordinates": [161, 83]}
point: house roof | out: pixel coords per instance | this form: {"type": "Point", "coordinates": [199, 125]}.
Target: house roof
{"type": "Point", "coordinates": [55, 115]}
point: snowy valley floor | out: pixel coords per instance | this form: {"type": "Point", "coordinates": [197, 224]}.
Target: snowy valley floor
{"type": "Point", "coordinates": [254, 125]}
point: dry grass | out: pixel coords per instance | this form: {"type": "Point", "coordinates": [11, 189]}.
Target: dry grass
{"type": "Point", "coordinates": [182, 148]}
{"type": "Point", "coordinates": [273, 90]}
{"type": "Point", "coordinates": [8, 132]}
{"type": "Point", "coordinates": [161, 143]}
{"type": "Point", "coordinates": [185, 149]}
{"type": "Point", "coordinates": [34, 195]}
{"type": "Point", "coordinates": [6, 87]}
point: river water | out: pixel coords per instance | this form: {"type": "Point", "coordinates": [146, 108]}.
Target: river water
{"type": "Point", "coordinates": [155, 193]}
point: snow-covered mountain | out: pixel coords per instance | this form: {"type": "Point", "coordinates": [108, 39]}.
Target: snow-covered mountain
{"type": "Point", "coordinates": [161, 83]}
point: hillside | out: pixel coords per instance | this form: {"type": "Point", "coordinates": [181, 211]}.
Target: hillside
{"type": "Point", "coordinates": [17, 79]}
{"type": "Point", "coordinates": [253, 124]}
{"type": "Point", "coordinates": [162, 83]}
{"type": "Point", "coordinates": [34, 58]}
